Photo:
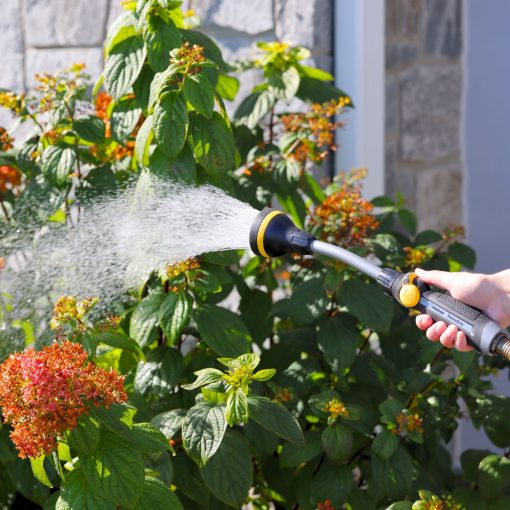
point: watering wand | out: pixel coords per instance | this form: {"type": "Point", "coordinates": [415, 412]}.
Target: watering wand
{"type": "Point", "coordinates": [273, 234]}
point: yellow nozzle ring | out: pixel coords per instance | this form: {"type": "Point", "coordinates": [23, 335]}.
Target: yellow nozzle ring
{"type": "Point", "coordinates": [262, 231]}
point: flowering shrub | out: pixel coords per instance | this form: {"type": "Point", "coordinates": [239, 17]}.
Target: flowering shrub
{"type": "Point", "coordinates": [312, 391]}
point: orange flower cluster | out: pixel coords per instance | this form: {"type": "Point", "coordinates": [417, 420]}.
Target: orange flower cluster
{"type": "Point", "coordinates": [6, 140]}
{"type": "Point", "coordinates": [182, 267]}
{"type": "Point", "coordinates": [409, 423]}
{"type": "Point", "coordinates": [415, 257]}
{"type": "Point", "coordinates": [9, 178]}
{"type": "Point", "coordinates": [336, 409]}
{"type": "Point", "coordinates": [119, 152]}
{"type": "Point", "coordinates": [44, 393]}
{"type": "Point", "coordinates": [315, 130]}
{"type": "Point", "coordinates": [283, 395]}
{"type": "Point", "coordinates": [259, 165]}
{"type": "Point", "coordinates": [11, 101]}
{"type": "Point", "coordinates": [345, 217]}
{"type": "Point", "coordinates": [325, 505]}
{"type": "Point", "coordinates": [188, 56]}
{"type": "Point", "coordinates": [3, 263]}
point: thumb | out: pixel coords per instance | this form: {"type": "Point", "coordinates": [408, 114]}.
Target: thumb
{"type": "Point", "coordinates": [441, 279]}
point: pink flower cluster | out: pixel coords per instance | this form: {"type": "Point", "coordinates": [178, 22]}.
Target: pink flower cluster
{"type": "Point", "coordinates": [43, 394]}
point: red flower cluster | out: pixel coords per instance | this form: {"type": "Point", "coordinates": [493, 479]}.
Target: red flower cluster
{"type": "Point", "coordinates": [325, 505]}
{"type": "Point", "coordinates": [6, 140]}
{"type": "Point", "coordinates": [9, 178]}
{"type": "Point", "coordinates": [43, 393]}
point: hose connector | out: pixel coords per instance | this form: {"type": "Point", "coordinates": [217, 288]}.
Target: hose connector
{"type": "Point", "coordinates": [273, 234]}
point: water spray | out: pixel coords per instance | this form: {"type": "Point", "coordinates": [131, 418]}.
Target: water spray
{"type": "Point", "coordinates": [273, 234]}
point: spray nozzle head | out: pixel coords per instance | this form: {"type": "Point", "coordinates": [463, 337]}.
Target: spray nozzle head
{"type": "Point", "coordinates": [273, 234]}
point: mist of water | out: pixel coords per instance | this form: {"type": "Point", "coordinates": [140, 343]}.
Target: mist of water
{"type": "Point", "coordinates": [120, 240]}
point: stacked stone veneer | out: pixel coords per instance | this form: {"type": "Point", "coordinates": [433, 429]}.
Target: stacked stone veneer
{"type": "Point", "coordinates": [423, 107]}
{"type": "Point", "coordinates": [46, 35]}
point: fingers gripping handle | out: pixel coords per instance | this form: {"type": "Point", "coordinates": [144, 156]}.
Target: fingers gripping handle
{"type": "Point", "coordinates": [482, 333]}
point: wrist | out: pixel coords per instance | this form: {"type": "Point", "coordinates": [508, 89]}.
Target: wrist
{"type": "Point", "coordinates": [501, 283]}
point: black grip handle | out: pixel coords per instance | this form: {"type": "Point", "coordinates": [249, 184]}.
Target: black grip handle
{"type": "Point", "coordinates": [481, 331]}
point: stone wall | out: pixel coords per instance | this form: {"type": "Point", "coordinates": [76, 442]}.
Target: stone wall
{"type": "Point", "coordinates": [46, 35]}
{"type": "Point", "coordinates": [423, 107]}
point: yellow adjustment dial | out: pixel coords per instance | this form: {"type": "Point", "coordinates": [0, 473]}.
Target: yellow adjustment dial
{"type": "Point", "coordinates": [409, 295]}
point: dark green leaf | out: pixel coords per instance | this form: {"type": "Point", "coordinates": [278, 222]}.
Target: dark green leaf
{"type": "Point", "coordinates": [229, 473]}
{"type": "Point", "coordinates": [463, 254]}
{"type": "Point", "coordinates": [123, 65]}
{"type": "Point", "coordinates": [493, 476]}
{"type": "Point", "coordinates": [256, 312]}
{"type": "Point", "coordinates": [77, 494]}
{"type": "Point", "coordinates": [90, 128]}
{"type": "Point", "coordinates": [142, 85]}
{"type": "Point", "coordinates": [427, 237]}
{"type": "Point", "coordinates": [124, 118]}
{"type": "Point", "coordinates": [223, 330]}
{"type": "Point", "coordinates": [200, 94]}
{"type": "Point", "coordinates": [308, 301]}
{"type": "Point", "coordinates": [211, 50]}
{"type": "Point", "coordinates": [155, 494]}
{"type": "Point", "coordinates": [276, 418]}
{"type": "Point", "coordinates": [161, 38]}
{"type": "Point", "coordinates": [118, 418]}
{"type": "Point", "coordinates": [148, 439]}
{"type": "Point", "coordinates": [144, 320]}
{"type": "Point", "coordinates": [470, 459]}
{"type": "Point", "coordinates": [337, 442]}
{"type": "Point", "coordinates": [385, 444]}
{"type": "Point", "coordinates": [174, 315]}
{"type": "Point", "coordinates": [338, 339]}
{"type": "Point", "coordinates": [408, 220]}
{"type": "Point", "coordinates": [368, 303]}
{"type": "Point", "coordinates": [393, 477]}
{"type": "Point", "coordinates": [114, 470]}
{"type": "Point", "coordinates": [84, 438]}
{"type": "Point", "coordinates": [331, 482]}
{"type": "Point", "coordinates": [203, 430]}
{"type": "Point", "coordinates": [118, 340]}
{"type": "Point", "coordinates": [318, 91]}
{"type": "Point", "coordinates": [292, 456]}
{"type": "Point", "coordinates": [213, 144]}
{"type": "Point", "coordinates": [169, 422]}
{"type": "Point", "coordinates": [254, 108]}
{"type": "Point", "coordinates": [159, 375]}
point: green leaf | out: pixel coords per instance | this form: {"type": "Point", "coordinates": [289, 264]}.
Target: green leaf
{"type": "Point", "coordinates": [90, 128]}
{"type": "Point", "coordinates": [401, 505]}
{"type": "Point", "coordinates": [463, 254]}
{"type": "Point", "coordinates": [204, 377]}
{"type": "Point", "coordinates": [117, 418]}
{"type": "Point", "coordinates": [276, 418]}
{"type": "Point", "coordinates": [57, 164]}
{"type": "Point", "coordinates": [256, 313]}
{"type": "Point", "coordinates": [171, 123]}
{"type": "Point", "coordinates": [385, 444]}
{"type": "Point", "coordinates": [84, 438]}
{"type": "Point", "coordinates": [123, 65]}
{"type": "Point", "coordinates": [124, 118]}
{"type": "Point", "coordinates": [203, 430]}
{"type": "Point", "coordinates": [293, 456]}
{"type": "Point", "coordinates": [308, 301]}
{"type": "Point", "coordinates": [337, 442]}
{"type": "Point", "coordinates": [145, 318]}
{"type": "Point", "coordinates": [161, 38]}
{"type": "Point", "coordinates": [237, 407]}
{"type": "Point", "coordinates": [174, 315]}
{"type": "Point", "coordinates": [223, 330]}
{"type": "Point", "coordinates": [77, 494]}
{"type": "Point", "coordinates": [155, 494]}
{"type": "Point", "coordinates": [169, 422]}
{"type": "Point", "coordinates": [286, 84]}
{"type": "Point", "coordinates": [318, 91]}
{"type": "Point", "coordinates": [118, 340]}
{"type": "Point", "coordinates": [143, 141]}
{"type": "Point", "coordinates": [199, 93]}
{"type": "Point", "coordinates": [469, 460]}
{"type": "Point", "coordinates": [338, 339]}
{"type": "Point", "coordinates": [393, 477]}
{"type": "Point", "coordinates": [213, 144]}
{"type": "Point", "coordinates": [148, 439]}
{"type": "Point", "coordinates": [408, 220]}
{"type": "Point", "coordinates": [254, 108]}
{"type": "Point", "coordinates": [427, 237]}
{"type": "Point", "coordinates": [114, 470]}
{"type": "Point", "coordinates": [211, 49]}
{"type": "Point", "coordinates": [493, 476]}
{"type": "Point", "coordinates": [159, 375]}
{"type": "Point", "coordinates": [368, 303]}
{"type": "Point", "coordinates": [318, 74]}
{"type": "Point", "coordinates": [264, 375]}
{"type": "Point", "coordinates": [37, 464]}
{"type": "Point", "coordinates": [331, 482]}
{"type": "Point", "coordinates": [229, 473]}
{"type": "Point", "coordinates": [389, 410]}
{"type": "Point", "coordinates": [227, 86]}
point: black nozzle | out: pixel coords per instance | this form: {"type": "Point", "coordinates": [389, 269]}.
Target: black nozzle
{"type": "Point", "coordinates": [273, 234]}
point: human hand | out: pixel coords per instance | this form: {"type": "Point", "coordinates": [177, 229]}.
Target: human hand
{"type": "Point", "coordinates": [488, 293]}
